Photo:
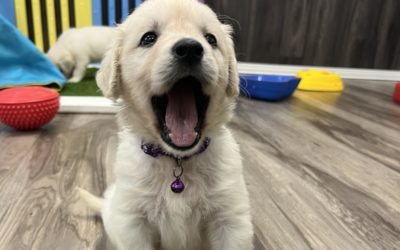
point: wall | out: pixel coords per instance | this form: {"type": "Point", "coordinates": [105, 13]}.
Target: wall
{"type": "Point", "coordinates": [342, 33]}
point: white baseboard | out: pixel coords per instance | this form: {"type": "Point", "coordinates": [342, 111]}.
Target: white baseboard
{"type": "Point", "coordinates": [75, 104]}
{"type": "Point", "coordinates": [83, 104]}
{"type": "Point", "coordinates": [345, 73]}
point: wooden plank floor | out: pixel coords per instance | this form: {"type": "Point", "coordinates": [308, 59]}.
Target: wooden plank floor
{"type": "Point", "coordinates": [323, 171]}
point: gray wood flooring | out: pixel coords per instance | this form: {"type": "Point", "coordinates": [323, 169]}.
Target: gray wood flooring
{"type": "Point", "coordinates": [323, 171]}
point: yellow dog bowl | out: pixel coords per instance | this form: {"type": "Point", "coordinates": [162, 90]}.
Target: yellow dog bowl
{"type": "Point", "coordinates": [319, 80]}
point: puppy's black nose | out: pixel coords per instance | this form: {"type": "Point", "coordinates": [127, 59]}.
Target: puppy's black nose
{"type": "Point", "coordinates": [188, 51]}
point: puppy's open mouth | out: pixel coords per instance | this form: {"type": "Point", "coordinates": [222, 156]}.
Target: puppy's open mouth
{"type": "Point", "coordinates": [181, 112]}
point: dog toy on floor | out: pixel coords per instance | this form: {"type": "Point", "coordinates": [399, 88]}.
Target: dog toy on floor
{"type": "Point", "coordinates": [268, 87]}
{"type": "Point", "coordinates": [28, 108]}
{"type": "Point", "coordinates": [396, 95]}
{"type": "Point", "coordinates": [319, 80]}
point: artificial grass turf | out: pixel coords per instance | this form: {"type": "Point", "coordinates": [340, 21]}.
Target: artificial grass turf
{"type": "Point", "coordinates": [86, 87]}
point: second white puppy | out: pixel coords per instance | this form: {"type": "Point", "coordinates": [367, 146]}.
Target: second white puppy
{"type": "Point", "coordinates": [76, 48]}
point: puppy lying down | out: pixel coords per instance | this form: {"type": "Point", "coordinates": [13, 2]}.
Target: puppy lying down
{"type": "Point", "coordinates": [76, 48]}
{"type": "Point", "coordinates": [179, 182]}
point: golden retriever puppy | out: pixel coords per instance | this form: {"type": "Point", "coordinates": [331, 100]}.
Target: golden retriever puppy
{"type": "Point", "coordinates": [179, 182]}
{"type": "Point", "coordinates": [76, 48]}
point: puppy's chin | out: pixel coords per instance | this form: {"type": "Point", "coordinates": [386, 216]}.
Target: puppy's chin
{"type": "Point", "coordinates": [181, 113]}
{"type": "Point", "coordinates": [183, 153]}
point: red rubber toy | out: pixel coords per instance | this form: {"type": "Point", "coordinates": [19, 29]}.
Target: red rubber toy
{"type": "Point", "coordinates": [28, 108]}
{"type": "Point", "coordinates": [396, 95]}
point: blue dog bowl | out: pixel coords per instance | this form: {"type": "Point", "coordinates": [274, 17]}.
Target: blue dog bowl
{"type": "Point", "coordinates": [268, 87]}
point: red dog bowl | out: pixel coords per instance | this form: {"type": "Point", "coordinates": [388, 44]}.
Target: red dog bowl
{"type": "Point", "coordinates": [28, 108]}
{"type": "Point", "coordinates": [396, 95]}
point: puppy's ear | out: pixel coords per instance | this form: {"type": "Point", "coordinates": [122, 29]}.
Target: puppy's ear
{"type": "Point", "coordinates": [232, 89]}
{"type": "Point", "coordinates": [108, 78]}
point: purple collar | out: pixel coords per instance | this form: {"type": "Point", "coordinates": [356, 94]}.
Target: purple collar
{"type": "Point", "coordinates": [177, 186]}
{"type": "Point", "coordinates": [155, 150]}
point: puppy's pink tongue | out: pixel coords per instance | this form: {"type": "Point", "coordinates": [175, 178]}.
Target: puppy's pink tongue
{"type": "Point", "coordinates": [181, 115]}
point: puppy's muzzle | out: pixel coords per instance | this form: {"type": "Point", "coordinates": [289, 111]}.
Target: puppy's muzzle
{"type": "Point", "coordinates": [188, 51]}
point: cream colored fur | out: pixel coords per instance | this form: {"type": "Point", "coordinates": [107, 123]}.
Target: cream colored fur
{"type": "Point", "coordinates": [76, 48]}
{"type": "Point", "coordinates": [140, 211]}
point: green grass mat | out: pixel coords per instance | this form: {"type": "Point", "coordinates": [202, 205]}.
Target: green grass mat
{"type": "Point", "coordinates": [86, 87]}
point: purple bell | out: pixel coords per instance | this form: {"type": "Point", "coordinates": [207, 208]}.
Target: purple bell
{"type": "Point", "coordinates": [177, 186]}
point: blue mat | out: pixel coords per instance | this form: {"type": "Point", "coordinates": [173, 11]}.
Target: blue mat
{"type": "Point", "coordinates": [21, 63]}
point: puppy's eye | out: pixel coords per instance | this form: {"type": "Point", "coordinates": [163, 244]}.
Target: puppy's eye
{"type": "Point", "coordinates": [211, 39]}
{"type": "Point", "coordinates": [148, 39]}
